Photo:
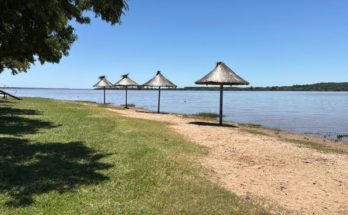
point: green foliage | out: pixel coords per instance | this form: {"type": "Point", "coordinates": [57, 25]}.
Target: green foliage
{"type": "Point", "coordinates": [317, 146]}
{"type": "Point", "coordinates": [206, 115]}
{"type": "Point", "coordinates": [342, 136]}
{"type": "Point", "coordinates": [41, 30]}
{"type": "Point", "coordinates": [59, 157]}
{"type": "Point", "coordinates": [251, 125]}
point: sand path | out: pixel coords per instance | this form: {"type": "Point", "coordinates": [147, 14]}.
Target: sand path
{"type": "Point", "coordinates": [301, 180]}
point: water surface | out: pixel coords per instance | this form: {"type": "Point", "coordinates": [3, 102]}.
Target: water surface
{"type": "Point", "coordinates": [315, 113]}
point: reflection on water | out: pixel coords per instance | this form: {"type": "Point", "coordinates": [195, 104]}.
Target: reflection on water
{"type": "Point", "coordinates": [318, 113]}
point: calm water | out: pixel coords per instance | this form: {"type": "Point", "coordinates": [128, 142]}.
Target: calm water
{"type": "Point", "coordinates": [316, 113]}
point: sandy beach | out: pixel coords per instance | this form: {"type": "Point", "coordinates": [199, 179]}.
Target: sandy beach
{"type": "Point", "coordinates": [255, 165]}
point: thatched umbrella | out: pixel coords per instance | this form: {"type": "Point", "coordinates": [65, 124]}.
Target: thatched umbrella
{"type": "Point", "coordinates": [103, 83]}
{"type": "Point", "coordinates": [222, 75]}
{"type": "Point", "coordinates": [159, 81]}
{"type": "Point", "coordinates": [126, 82]}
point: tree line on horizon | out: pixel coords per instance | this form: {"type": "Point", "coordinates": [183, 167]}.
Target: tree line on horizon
{"type": "Point", "coordinates": [330, 86]}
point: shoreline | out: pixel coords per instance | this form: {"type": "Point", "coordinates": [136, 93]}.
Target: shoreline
{"type": "Point", "coordinates": [58, 152]}
{"type": "Point", "coordinates": [328, 132]}
{"type": "Point", "coordinates": [281, 172]}
{"type": "Point", "coordinates": [253, 128]}
{"type": "Point", "coordinates": [280, 169]}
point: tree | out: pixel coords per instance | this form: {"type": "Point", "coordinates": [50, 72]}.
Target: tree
{"type": "Point", "coordinates": [41, 30]}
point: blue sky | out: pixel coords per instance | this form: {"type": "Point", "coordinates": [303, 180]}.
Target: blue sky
{"type": "Point", "coordinates": [268, 42]}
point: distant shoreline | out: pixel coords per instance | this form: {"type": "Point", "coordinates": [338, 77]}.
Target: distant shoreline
{"type": "Point", "coordinates": [318, 87]}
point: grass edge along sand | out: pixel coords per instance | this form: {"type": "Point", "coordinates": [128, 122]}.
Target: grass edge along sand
{"type": "Point", "coordinates": [325, 145]}
{"type": "Point", "coordinates": [60, 157]}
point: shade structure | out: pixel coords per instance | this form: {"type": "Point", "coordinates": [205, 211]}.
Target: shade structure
{"type": "Point", "coordinates": [126, 82]}
{"type": "Point", "coordinates": [161, 82]}
{"type": "Point", "coordinates": [103, 83]}
{"type": "Point", "coordinates": [222, 75]}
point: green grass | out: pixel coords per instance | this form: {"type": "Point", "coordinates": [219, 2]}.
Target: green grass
{"type": "Point", "coordinates": [61, 157]}
{"type": "Point", "coordinates": [206, 115]}
{"type": "Point", "coordinates": [255, 131]}
{"type": "Point", "coordinates": [251, 125]}
{"type": "Point", "coordinates": [259, 130]}
{"type": "Point", "coordinates": [317, 146]}
{"type": "Point", "coordinates": [342, 136]}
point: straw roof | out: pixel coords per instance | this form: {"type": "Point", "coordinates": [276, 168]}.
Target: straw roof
{"type": "Point", "coordinates": [103, 83]}
{"type": "Point", "coordinates": [159, 81]}
{"type": "Point", "coordinates": [222, 75]}
{"type": "Point", "coordinates": [126, 81]}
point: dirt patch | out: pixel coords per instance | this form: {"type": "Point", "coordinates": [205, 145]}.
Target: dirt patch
{"type": "Point", "coordinates": [299, 179]}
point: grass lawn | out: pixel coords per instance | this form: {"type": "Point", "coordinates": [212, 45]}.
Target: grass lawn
{"type": "Point", "coordinates": [59, 157]}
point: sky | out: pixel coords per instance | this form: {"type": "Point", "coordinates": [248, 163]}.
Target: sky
{"type": "Point", "coordinates": [268, 42]}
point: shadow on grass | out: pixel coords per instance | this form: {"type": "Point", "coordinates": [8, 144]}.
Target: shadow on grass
{"type": "Point", "coordinates": [10, 111]}
{"type": "Point", "coordinates": [13, 121]}
{"type": "Point", "coordinates": [4, 101]}
{"type": "Point", "coordinates": [28, 169]}
{"type": "Point", "coordinates": [212, 124]}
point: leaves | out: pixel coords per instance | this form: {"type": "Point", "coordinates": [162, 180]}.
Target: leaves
{"type": "Point", "coordinates": [41, 30]}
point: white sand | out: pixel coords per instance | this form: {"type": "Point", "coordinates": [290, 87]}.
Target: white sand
{"type": "Point", "coordinates": [299, 179]}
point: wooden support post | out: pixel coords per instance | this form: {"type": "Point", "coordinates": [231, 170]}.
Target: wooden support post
{"type": "Point", "coordinates": [221, 103]}
{"type": "Point", "coordinates": [104, 94]}
{"type": "Point", "coordinates": [126, 106]}
{"type": "Point", "coordinates": [159, 99]}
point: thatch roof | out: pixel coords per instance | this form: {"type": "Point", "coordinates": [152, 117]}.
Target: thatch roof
{"type": "Point", "coordinates": [103, 83]}
{"type": "Point", "coordinates": [126, 81]}
{"type": "Point", "coordinates": [222, 75]}
{"type": "Point", "coordinates": [159, 81]}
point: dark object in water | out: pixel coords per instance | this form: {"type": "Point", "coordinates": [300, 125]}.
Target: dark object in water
{"type": "Point", "coordinates": [342, 136]}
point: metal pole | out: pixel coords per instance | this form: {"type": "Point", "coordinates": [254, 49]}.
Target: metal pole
{"type": "Point", "coordinates": [126, 96]}
{"type": "Point", "coordinates": [221, 102]}
{"type": "Point", "coordinates": [159, 99]}
{"type": "Point", "coordinates": [104, 94]}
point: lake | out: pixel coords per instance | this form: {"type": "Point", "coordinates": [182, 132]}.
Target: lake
{"type": "Point", "coordinates": [314, 113]}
